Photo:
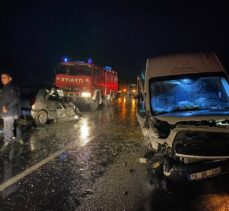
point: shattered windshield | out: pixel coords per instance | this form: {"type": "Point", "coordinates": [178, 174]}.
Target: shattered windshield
{"type": "Point", "coordinates": [190, 94]}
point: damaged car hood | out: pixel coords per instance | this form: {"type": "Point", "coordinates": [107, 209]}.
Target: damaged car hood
{"type": "Point", "coordinates": [202, 115]}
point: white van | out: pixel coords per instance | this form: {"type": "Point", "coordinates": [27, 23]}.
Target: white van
{"type": "Point", "coordinates": [183, 109]}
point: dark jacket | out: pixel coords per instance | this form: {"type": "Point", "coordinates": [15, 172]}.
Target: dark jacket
{"type": "Point", "coordinates": [9, 98]}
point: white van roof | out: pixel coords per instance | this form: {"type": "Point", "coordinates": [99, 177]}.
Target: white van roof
{"type": "Point", "coordinates": [180, 64]}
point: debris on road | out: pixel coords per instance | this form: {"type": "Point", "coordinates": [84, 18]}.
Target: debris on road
{"type": "Point", "coordinates": [142, 160]}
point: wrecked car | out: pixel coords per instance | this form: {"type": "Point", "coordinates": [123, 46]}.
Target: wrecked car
{"type": "Point", "coordinates": [183, 110]}
{"type": "Point", "coordinates": [44, 104]}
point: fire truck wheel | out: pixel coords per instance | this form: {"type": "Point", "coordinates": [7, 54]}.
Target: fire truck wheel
{"type": "Point", "coordinates": [112, 101]}
{"type": "Point", "coordinates": [94, 106]}
{"type": "Point", "coordinates": [41, 118]}
{"type": "Point", "coordinates": [107, 102]}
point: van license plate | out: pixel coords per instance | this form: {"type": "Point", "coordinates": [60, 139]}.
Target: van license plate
{"type": "Point", "coordinates": [205, 174]}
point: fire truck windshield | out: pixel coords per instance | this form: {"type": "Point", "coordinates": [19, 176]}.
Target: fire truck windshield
{"type": "Point", "coordinates": [73, 70]}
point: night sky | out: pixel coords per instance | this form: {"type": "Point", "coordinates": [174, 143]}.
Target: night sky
{"type": "Point", "coordinates": [35, 35]}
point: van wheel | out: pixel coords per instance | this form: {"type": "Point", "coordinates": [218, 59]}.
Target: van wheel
{"type": "Point", "coordinates": [167, 185]}
{"type": "Point", "coordinates": [41, 118]}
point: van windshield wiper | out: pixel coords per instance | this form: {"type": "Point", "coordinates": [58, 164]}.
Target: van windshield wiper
{"type": "Point", "coordinates": [193, 108]}
{"type": "Point", "coordinates": [178, 108]}
{"type": "Point", "coordinates": [223, 108]}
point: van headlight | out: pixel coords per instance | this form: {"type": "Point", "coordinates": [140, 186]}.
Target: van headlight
{"type": "Point", "coordinates": [86, 94]}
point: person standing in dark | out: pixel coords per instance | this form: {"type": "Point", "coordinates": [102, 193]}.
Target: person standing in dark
{"type": "Point", "coordinates": [9, 105]}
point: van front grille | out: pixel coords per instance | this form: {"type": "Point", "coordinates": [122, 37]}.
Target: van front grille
{"type": "Point", "coordinates": [202, 143]}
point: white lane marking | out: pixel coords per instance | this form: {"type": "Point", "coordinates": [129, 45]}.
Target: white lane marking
{"type": "Point", "coordinates": [29, 170]}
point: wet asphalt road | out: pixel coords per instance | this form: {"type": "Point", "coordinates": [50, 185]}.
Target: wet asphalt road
{"type": "Point", "coordinates": [92, 164]}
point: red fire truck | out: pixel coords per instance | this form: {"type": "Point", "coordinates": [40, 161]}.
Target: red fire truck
{"type": "Point", "coordinates": [87, 84]}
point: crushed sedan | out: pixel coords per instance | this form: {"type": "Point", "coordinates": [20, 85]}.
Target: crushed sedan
{"type": "Point", "coordinates": [43, 105]}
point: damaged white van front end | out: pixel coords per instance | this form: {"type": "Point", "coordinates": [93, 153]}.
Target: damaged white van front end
{"type": "Point", "coordinates": [185, 104]}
